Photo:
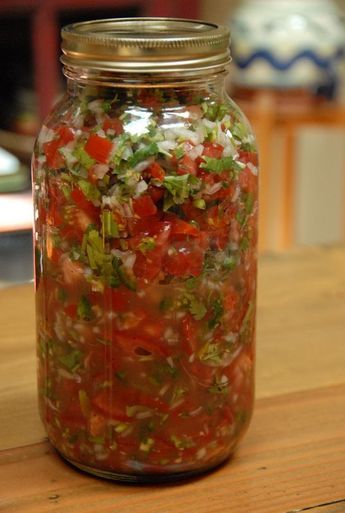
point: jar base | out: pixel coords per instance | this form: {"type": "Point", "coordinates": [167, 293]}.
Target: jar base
{"type": "Point", "coordinates": [145, 478]}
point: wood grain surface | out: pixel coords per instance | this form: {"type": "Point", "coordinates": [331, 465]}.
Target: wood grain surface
{"type": "Point", "coordinates": [293, 456]}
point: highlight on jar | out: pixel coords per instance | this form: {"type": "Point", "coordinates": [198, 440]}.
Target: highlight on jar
{"type": "Point", "coordinates": [145, 191]}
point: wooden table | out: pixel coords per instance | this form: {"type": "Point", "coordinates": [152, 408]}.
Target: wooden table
{"type": "Point", "coordinates": [293, 457]}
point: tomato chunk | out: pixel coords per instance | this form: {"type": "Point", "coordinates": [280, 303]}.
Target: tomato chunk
{"type": "Point", "coordinates": [144, 206]}
{"type": "Point", "coordinates": [98, 148]}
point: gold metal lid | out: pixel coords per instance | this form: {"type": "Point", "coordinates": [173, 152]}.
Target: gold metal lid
{"type": "Point", "coordinates": [142, 45]}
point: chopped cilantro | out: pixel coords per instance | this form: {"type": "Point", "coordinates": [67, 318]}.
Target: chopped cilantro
{"type": "Point", "coordinates": [84, 402]}
{"type": "Point", "coordinates": [210, 352]}
{"type": "Point", "coordinates": [84, 310]}
{"type": "Point", "coordinates": [199, 203]}
{"type": "Point", "coordinates": [109, 226]}
{"type": "Point", "coordinates": [72, 360]}
{"type": "Point", "coordinates": [143, 154]}
{"type": "Point", "coordinates": [165, 304]}
{"type": "Point", "coordinates": [83, 157]}
{"type": "Point", "coordinates": [106, 106]}
{"type": "Point", "coordinates": [219, 165]}
{"type": "Point", "coordinates": [127, 279]}
{"type": "Point", "coordinates": [181, 186]}
{"type": "Point", "coordinates": [218, 311]}
{"type": "Point", "coordinates": [195, 307]}
{"type": "Point", "coordinates": [249, 201]}
{"type": "Point", "coordinates": [215, 111]}
{"type": "Point", "coordinates": [219, 388]}
{"type": "Point", "coordinates": [182, 443]}
{"type": "Point", "coordinates": [179, 151]}
{"type": "Point", "coordinates": [147, 244]}
{"type": "Point", "coordinates": [89, 190]}
{"type": "Point", "coordinates": [191, 283]}
{"type": "Point", "coordinates": [230, 262]}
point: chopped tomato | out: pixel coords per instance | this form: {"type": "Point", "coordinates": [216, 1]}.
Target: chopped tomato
{"type": "Point", "coordinates": [144, 206]}
{"type": "Point", "coordinates": [113, 124]}
{"type": "Point", "coordinates": [85, 205]}
{"type": "Point", "coordinates": [213, 150]}
{"type": "Point", "coordinates": [98, 148]}
{"type": "Point", "coordinates": [180, 227]}
{"type": "Point", "coordinates": [248, 181]}
{"type": "Point", "coordinates": [156, 193]}
{"type": "Point", "coordinates": [189, 332]}
{"type": "Point", "coordinates": [54, 158]}
{"type": "Point", "coordinates": [186, 165]}
{"type": "Point", "coordinates": [71, 310]}
{"type": "Point", "coordinates": [156, 171]}
{"type": "Point", "coordinates": [183, 261]}
{"type": "Point", "coordinates": [118, 299]}
{"type": "Point", "coordinates": [115, 405]}
{"type": "Point", "coordinates": [139, 346]}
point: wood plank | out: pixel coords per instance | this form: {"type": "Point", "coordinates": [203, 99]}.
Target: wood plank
{"type": "Point", "coordinates": [292, 458]}
{"type": "Point", "coordinates": [301, 320]}
{"type": "Point", "coordinates": [336, 507]}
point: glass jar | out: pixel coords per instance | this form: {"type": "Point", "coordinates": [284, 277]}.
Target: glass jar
{"type": "Point", "coordinates": [145, 190]}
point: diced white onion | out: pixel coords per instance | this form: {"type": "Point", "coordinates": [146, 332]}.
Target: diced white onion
{"type": "Point", "coordinates": [140, 188]}
{"type": "Point", "coordinates": [144, 164]}
{"type": "Point", "coordinates": [167, 145]}
{"type": "Point", "coordinates": [100, 170]}
{"type": "Point", "coordinates": [208, 123]}
{"type": "Point", "coordinates": [252, 168]}
{"type": "Point", "coordinates": [212, 189]}
{"type": "Point", "coordinates": [46, 135]}
{"type": "Point", "coordinates": [201, 453]}
{"type": "Point", "coordinates": [196, 151]}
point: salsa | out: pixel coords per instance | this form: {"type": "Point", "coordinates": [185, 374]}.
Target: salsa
{"type": "Point", "coordinates": [145, 234]}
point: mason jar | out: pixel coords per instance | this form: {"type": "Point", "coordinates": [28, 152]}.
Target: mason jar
{"type": "Point", "coordinates": [145, 192]}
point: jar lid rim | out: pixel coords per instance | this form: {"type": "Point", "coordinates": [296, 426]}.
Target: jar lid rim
{"type": "Point", "coordinates": [145, 44]}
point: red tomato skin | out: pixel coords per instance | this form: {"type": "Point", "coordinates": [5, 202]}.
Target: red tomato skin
{"type": "Point", "coordinates": [180, 227]}
{"type": "Point", "coordinates": [117, 299]}
{"type": "Point", "coordinates": [51, 149]}
{"type": "Point", "coordinates": [98, 148]}
{"type": "Point", "coordinates": [156, 171]}
{"type": "Point", "coordinates": [186, 165]}
{"type": "Point", "coordinates": [144, 206]}
{"type": "Point", "coordinates": [84, 204]}
{"type": "Point", "coordinates": [183, 263]}
{"type": "Point", "coordinates": [213, 150]}
{"type": "Point", "coordinates": [113, 124]}
{"type": "Point", "coordinates": [189, 328]}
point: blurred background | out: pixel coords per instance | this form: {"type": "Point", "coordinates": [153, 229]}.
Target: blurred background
{"type": "Point", "coordinates": [288, 75]}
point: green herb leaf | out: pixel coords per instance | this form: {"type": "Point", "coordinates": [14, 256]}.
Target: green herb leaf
{"type": "Point", "coordinates": [181, 186]}
{"type": "Point", "coordinates": [215, 111]}
{"type": "Point", "coordinates": [230, 262]}
{"type": "Point", "coordinates": [195, 307]}
{"type": "Point", "coordinates": [143, 154]}
{"type": "Point", "coordinates": [84, 310]}
{"type": "Point", "coordinates": [199, 203]}
{"type": "Point", "coordinates": [218, 311]}
{"type": "Point", "coordinates": [179, 151]}
{"type": "Point", "coordinates": [210, 352]}
{"type": "Point", "coordinates": [84, 402]}
{"type": "Point", "coordinates": [90, 191]}
{"type": "Point", "coordinates": [109, 226]}
{"type": "Point", "coordinates": [219, 165]}
{"type": "Point", "coordinates": [72, 360]}
{"type": "Point", "coordinates": [83, 157]}
{"type": "Point", "coordinates": [147, 244]}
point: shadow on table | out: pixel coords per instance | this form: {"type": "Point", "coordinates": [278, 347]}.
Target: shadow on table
{"type": "Point", "coordinates": [16, 260]}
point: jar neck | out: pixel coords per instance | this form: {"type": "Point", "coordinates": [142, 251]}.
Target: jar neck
{"type": "Point", "coordinates": [80, 81]}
